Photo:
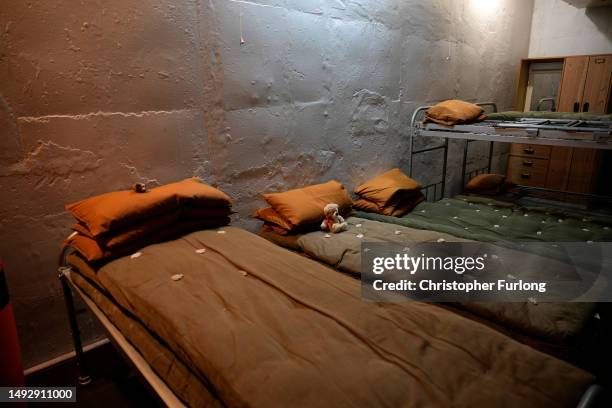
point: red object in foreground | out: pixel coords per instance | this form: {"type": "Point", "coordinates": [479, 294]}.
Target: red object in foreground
{"type": "Point", "coordinates": [11, 369]}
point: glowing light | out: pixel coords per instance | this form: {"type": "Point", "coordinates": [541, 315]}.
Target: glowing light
{"type": "Point", "coordinates": [485, 6]}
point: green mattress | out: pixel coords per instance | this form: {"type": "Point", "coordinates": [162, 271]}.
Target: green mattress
{"type": "Point", "coordinates": [488, 220]}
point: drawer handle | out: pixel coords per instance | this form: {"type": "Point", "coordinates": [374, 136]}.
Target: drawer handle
{"type": "Point", "coordinates": [527, 163]}
{"type": "Point", "coordinates": [529, 150]}
{"type": "Point", "coordinates": [525, 176]}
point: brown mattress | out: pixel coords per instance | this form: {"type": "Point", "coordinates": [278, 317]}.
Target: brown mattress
{"type": "Point", "coordinates": [185, 384]}
{"type": "Point", "coordinates": [555, 328]}
{"type": "Point", "coordinates": [266, 327]}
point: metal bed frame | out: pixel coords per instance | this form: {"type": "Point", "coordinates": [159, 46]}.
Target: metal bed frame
{"type": "Point", "coordinates": [153, 381]}
{"type": "Point", "coordinates": [550, 132]}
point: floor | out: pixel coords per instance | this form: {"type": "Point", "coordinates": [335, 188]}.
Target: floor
{"type": "Point", "coordinates": [114, 384]}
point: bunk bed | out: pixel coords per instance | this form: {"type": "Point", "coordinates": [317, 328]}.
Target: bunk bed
{"type": "Point", "coordinates": [534, 128]}
{"type": "Point", "coordinates": [475, 218]}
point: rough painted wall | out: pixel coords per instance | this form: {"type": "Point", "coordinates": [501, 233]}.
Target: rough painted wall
{"type": "Point", "coordinates": [323, 89]}
{"type": "Point", "coordinates": [95, 95]}
{"type": "Point", "coordinates": [559, 28]}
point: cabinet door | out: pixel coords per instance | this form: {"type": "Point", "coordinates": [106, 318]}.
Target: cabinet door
{"type": "Point", "coordinates": [559, 168]}
{"type": "Point", "coordinates": [572, 84]}
{"type": "Point", "coordinates": [583, 170]}
{"type": "Point", "coordinates": [597, 85]}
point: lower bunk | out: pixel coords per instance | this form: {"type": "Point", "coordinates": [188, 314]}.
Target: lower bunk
{"type": "Point", "coordinates": [566, 329]}
{"type": "Point", "coordinates": [226, 317]}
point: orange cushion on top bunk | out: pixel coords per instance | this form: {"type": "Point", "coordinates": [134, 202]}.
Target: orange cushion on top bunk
{"type": "Point", "coordinates": [453, 112]}
{"type": "Point", "coordinates": [383, 188]}
{"type": "Point", "coordinates": [119, 209]}
{"type": "Point", "coordinates": [304, 206]}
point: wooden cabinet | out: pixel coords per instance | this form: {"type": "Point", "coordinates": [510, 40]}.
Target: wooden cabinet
{"type": "Point", "coordinates": [586, 85]}
{"type": "Point", "coordinates": [596, 94]}
{"type": "Point", "coordinates": [553, 167]}
{"type": "Point", "coordinates": [572, 84]}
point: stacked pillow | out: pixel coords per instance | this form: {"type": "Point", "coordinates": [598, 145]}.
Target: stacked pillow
{"type": "Point", "coordinates": [453, 112]}
{"type": "Point", "coordinates": [121, 222]}
{"type": "Point", "coordinates": [302, 208]}
{"type": "Point", "coordinates": [392, 193]}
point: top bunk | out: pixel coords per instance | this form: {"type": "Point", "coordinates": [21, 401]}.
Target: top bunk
{"type": "Point", "coordinates": [539, 128]}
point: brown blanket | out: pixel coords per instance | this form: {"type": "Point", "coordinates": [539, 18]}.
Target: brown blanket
{"type": "Point", "coordinates": [267, 327]}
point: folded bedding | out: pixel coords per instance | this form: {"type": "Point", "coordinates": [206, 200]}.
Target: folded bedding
{"type": "Point", "coordinates": [553, 327]}
{"type": "Point", "coordinates": [117, 223]}
{"type": "Point", "coordinates": [115, 210]}
{"type": "Point", "coordinates": [94, 250]}
{"type": "Point", "coordinates": [398, 206]}
{"type": "Point", "coordinates": [391, 193]}
{"type": "Point", "coordinates": [266, 327]}
{"type": "Point", "coordinates": [150, 225]}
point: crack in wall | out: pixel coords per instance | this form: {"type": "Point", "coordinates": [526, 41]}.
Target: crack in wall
{"type": "Point", "coordinates": [85, 116]}
{"type": "Point", "coordinates": [52, 160]}
{"type": "Point", "coordinates": [9, 130]}
{"type": "Point", "coordinates": [149, 182]}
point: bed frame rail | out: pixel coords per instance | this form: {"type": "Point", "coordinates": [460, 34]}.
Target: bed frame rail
{"type": "Point", "coordinates": [435, 191]}
{"type": "Point", "coordinates": [131, 355]}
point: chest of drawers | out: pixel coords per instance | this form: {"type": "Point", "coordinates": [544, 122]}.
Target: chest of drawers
{"type": "Point", "coordinates": [558, 168]}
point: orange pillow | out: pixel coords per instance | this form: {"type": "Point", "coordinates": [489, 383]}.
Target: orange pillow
{"type": "Point", "coordinates": [148, 226]}
{"type": "Point", "coordinates": [382, 189]}
{"type": "Point", "coordinates": [276, 229]}
{"type": "Point", "coordinates": [270, 216]}
{"type": "Point", "coordinates": [366, 205]}
{"type": "Point", "coordinates": [396, 209]}
{"type": "Point", "coordinates": [304, 206]}
{"type": "Point", "coordinates": [454, 111]}
{"type": "Point", "coordinates": [486, 182]}
{"type": "Point", "coordinates": [93, 250]}
{"type": "Point", "coordinates": [118, 209]}
{"type": "Point", "coordinates": [401, 207]}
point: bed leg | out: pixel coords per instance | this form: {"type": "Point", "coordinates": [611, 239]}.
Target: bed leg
{"type": "Point", "coordinates": [490, 156]}
{"type": "Point", "coordinates": [443, 187]}
{"type": "Point", "coordinates": [466, 147]}
{"type": "Point", "coordinates": [84, 377]}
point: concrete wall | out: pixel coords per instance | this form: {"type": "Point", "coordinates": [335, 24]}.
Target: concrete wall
{"type": "Point", "coordinates": [559, 28]}
{"type": "Point", "coordinates": [97, 95]}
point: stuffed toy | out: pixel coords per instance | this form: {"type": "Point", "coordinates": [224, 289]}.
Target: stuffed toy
{"type": "Point", "coordinates": [333, 221]}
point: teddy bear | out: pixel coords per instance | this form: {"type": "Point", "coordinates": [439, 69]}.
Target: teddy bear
{"type": "Point", "coordinates": [333, 221]}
